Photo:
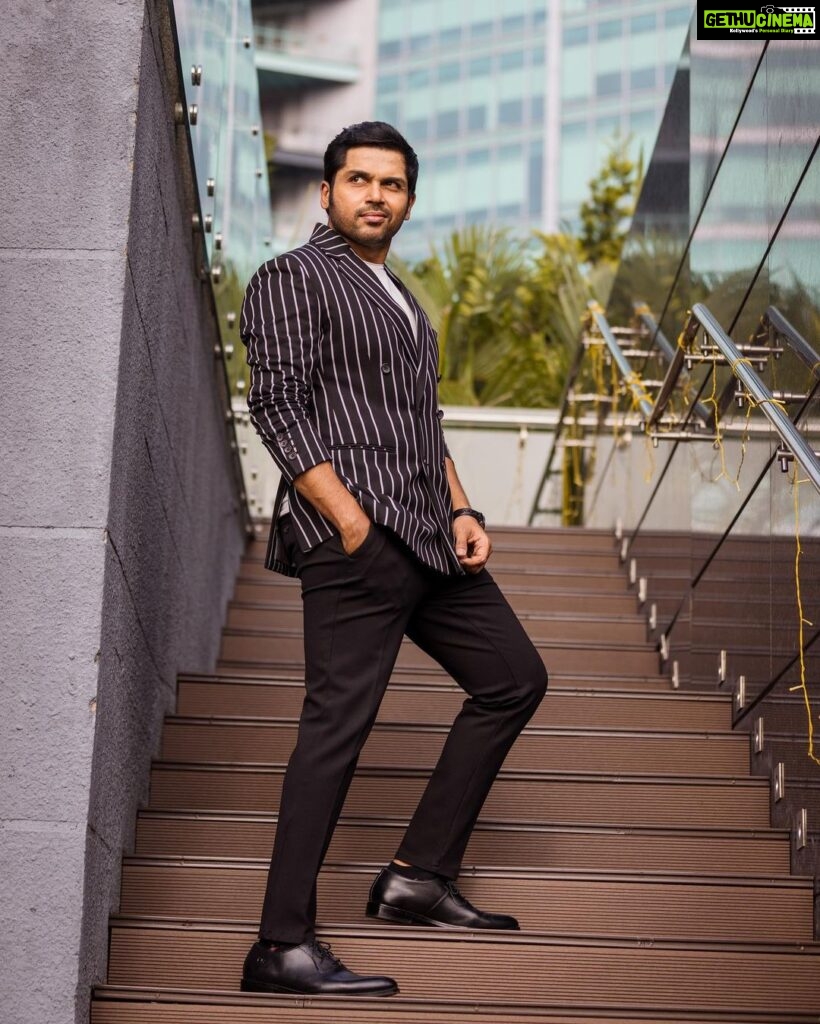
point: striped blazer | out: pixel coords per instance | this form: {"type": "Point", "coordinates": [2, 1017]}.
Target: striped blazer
{"type": "Point", "coordinates": [336, 375]}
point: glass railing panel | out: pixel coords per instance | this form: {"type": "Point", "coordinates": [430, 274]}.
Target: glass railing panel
{"type": "Point", "coordinates": [227, 138]}
{"type": "Point", "coordinates": [720, 76]}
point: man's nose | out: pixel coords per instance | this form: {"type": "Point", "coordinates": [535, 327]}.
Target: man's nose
{"type": "Point", "coordinates": [374, 192]}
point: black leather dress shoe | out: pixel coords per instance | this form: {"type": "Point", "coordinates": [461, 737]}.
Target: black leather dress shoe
{"type": "Point", "coordinates": [437, 902]}
{"type": "Point", "coordinates": [309, 969]}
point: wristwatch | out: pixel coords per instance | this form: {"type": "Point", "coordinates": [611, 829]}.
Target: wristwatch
{"type": "Point", "coordinates": [479, 518]}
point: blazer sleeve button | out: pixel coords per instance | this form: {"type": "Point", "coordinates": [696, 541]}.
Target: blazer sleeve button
{"type": "Point", "coordinates": [385, 367]}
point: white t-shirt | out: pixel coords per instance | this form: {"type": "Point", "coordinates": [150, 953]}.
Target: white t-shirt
{"type": "Point", "coordinates": [395, 294]}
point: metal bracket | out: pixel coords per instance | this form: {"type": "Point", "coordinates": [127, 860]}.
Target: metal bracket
{"type": "Point", "coordinates": [758, 735]}
{"type": "Point", "coordinates": [740, 693]}
{"type": "Point", "coordinates": [779, 782]}
{"type": "Point", "coordinates": [801, 829]}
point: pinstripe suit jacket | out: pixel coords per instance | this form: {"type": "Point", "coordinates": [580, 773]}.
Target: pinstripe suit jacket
{"type": "Point", "coordinates": [336, 375]}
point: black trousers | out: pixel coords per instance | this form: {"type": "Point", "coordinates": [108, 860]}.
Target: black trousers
{"type": "Point", "coordinates": [356, 611]}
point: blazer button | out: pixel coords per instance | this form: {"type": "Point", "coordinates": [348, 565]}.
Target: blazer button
{"type": "Point", "coordinates": [385, 367]}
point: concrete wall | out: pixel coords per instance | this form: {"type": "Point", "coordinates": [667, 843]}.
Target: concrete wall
{"type": "Point", "coordinates": [119, 524]}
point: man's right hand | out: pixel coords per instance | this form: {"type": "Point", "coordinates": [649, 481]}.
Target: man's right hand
{"type": "Point", "coordinates": [355, 535]}
{"type": "Point", "coordinates": [326, 492]}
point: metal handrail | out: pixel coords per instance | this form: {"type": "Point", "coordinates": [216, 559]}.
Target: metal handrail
{"type": "Point", "coordinates": [802, 349]}
{"type": "Point", "coordinates": [760, 394]}
{"type": "Point", "coordinates": [670, 354]}
{"type": "Point", "coordinates": [620, 360]}
{"type": "Point", "coordinates": [559, 430]}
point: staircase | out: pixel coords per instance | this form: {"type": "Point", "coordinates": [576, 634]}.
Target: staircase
{"type": "Point", "coordinates": [625, 831]}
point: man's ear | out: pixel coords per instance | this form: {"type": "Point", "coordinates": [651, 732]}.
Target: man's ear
{"type": "Point", "coordinates": [324, 195]}
{"type": "Point", "coordinates": [410, 204]}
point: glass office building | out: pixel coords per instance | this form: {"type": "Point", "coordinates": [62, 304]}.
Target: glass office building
{"type": "Point", "coordinates": [511, 105]}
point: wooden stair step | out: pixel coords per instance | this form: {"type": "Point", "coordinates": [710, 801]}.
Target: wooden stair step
{"type": "Point", "coordinates": [422, 703]}
{"type": "Point", "coordinates": [271, 648]}
{"type": "Point", "coordinates": [278, 591]}
{"type": "Point", "coordinates": [571, 678]}
{"type": "Point", "coordinates": [681, 906]}
{"type": "Point", "coordinates": [712, 851]}
{"type": "Point", "coordinates": [546, 626]}
{"type": "Point", "coordinates": [115, 1004]}
{"type": "Point", "coordinates": [593, 581]}
{"type": "Point", "coordinates": [561, 971]}
{"type": "Point", "coordinates": [251, 741]}
{"type": "Point", "coordinates": [552, 556]}
{"type": "Point", "coordinates": [526, 537]}
{"type": "Point", "coordinates": [526, 797]}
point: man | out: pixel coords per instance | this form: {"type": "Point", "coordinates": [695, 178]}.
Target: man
{"type": "Point", "coordinates": [371, 516]}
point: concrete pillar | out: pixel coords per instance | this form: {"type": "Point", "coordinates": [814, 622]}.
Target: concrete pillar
{"type": "Point", "coordinates": [119, 520]}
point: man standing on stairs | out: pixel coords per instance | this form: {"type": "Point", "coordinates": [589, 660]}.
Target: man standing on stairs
{"type": "Point", "coordinates": [372, 518]}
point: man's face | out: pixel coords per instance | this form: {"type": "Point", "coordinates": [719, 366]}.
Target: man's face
{"type": "Point", "coordinates": [369, 200]}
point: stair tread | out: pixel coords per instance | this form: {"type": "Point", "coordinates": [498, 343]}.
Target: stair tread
{"type": "Point", "coordinates": [121, 1004]}
{"type": "Point", "coordinates": [574, 970]}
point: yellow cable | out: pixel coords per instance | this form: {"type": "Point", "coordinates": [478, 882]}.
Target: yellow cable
{"type": "Point", "coordinates": [802, 620]}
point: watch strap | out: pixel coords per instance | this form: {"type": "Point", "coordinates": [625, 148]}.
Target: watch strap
{"type": "Point", "coordinates": [470, 512]}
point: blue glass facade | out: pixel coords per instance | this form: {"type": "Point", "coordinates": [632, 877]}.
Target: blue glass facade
{"type": "Point", "coordinates": [510, 105]}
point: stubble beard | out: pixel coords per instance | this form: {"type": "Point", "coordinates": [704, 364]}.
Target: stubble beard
{"type": "Point", "coordinates": [365, 238]}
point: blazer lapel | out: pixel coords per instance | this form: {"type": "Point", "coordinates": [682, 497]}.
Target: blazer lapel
{"type": "Point", "coordinates": [331, 243]}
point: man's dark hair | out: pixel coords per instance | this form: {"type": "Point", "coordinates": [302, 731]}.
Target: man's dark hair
{"type": "Point", "coordinates": [377, 134]}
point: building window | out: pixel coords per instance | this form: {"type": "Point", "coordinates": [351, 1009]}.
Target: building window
{"type": "Point", "coordinates": [481, 30]}
{"type": "Point", "coordinates": [476, 119]}
{"type": "Point", "coordinates": [537, 109]}
{"type": "Point", "coordinates": [511, 61]}
{"type": "Point", "coordinates": [535, 175]}
{"type": "Point", "coordinates": [610, 29]}
{"type": "Point", "coordinates": [608, 84]}
{"type": "Point", "coordinates": [446, 163]}
{"type": "Point", "coordinates": [574, 130]}
{"type": "Point", "coordinates": [388, 83]}
{"type": "Point", "coordinates": [447, 123]}
{"type": "Point", "coordinates": [539, 18]}
{"type": "Point", "coordinates": [642, 120]}
{"type": "Point", "coordinates": [512, 211]}
{"type": "Point", "coordinates": [642, 78]}
{"type": "Point", "coordinates": [418, 129]}
{"type": "Point", "coordinates": [390, 48]}
{"type": "Point", "coordinates": [511, 112]}
{"type": "Point", "coordinates": [480, 66]}
{"type": "Point", "coordinates": [643, 23]}
{"type": "Point", "coordinates": [514, 24]}
{"type": "Point", "coordinates": [449, 38]}
{"type": "Point", "coordinates": [388, 111]}
{"type": "Point", "coordinates": [478, 157]}
{"type": "Point", "coordinates": [607, 125]}
{"type": "Point", "coordinates": [669, 73]}
{"type": "Point", "coordinates": [418, 79]}
{"type": "Point", "coordinates": [421, 43]}
{"type": "Point", "coordinates": [449, 72]}
{"type": "Point", "coordinates": [576, 36]}
{"type": "Point", "coordinates": [677, 16]}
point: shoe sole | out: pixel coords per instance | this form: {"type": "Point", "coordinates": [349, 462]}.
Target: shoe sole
{"type": "Point", "coordinates": [396, 916]}
{"type": "Point", "coordinates": [261, 986]}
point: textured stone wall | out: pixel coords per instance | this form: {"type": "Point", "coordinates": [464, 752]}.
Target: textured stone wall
{"type": "Point", "coordinates": [120, 529]}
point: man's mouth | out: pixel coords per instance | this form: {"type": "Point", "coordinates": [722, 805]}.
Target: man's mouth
{"type": "Point", "coordinates": [373, 216]}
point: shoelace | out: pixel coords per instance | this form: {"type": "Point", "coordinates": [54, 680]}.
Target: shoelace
{"type": "Point", "coordinates": [454, 891]}
{"type": "Point", "coordinates": [324, 952]}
